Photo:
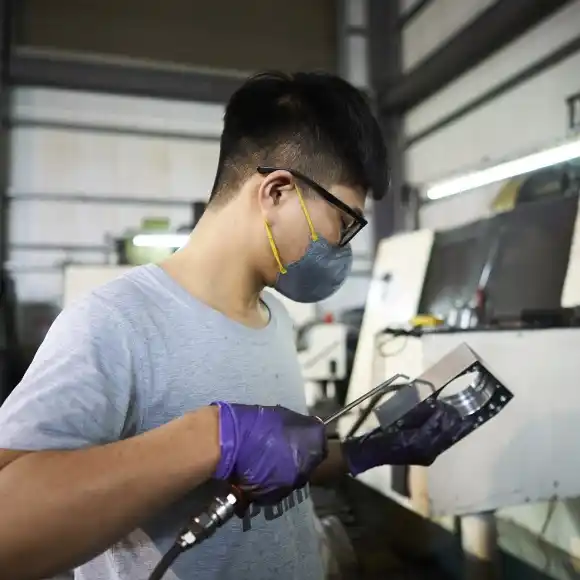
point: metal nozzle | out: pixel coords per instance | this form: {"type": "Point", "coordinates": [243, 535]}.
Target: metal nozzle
{"type": "Point", "coordinates": [382, 389]}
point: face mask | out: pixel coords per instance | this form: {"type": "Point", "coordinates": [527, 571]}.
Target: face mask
{"type": "Point", "coordinates": [319, 273]}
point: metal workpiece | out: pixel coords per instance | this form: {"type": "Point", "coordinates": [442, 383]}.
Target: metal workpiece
{"type": "Point", "coordinates": [483, 397]}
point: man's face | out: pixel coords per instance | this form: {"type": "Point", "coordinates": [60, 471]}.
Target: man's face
{"type": "Point", "coordinates": [291, 231]}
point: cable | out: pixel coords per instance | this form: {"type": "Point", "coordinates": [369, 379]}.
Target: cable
{"type": "Point", "coordinates": [202, 526]}
{"type": "Point", "coordinates": [381, 346]}
{"type": "Point", "coordinates": [542, 534]}
{"type": "Point", "coordinates": [394, 333]}
{"type": "Point", "coordinates": [165, 563]}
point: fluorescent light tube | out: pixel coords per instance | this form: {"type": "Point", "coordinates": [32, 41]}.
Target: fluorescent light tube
{"type": "Point", "coordinates": [504, 171]}
{"type": "Point", "coordinates": [160, 240]}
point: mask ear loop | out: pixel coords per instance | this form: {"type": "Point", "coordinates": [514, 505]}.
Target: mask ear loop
{"type": "Point", "coordinates": [313, 233]}
{"type": "Point", "coordinates": [274, 249]}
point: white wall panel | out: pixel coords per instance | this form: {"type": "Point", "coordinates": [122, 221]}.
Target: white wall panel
{"type": "Point", "coordinates": [537, 43]}
{"type": "Point", "coordinates": [119, 111]}
{"type": "Point", "coordinates": [68, 161]}
{"type": "Point", "coordinates": [83, 223]}
{"type": "Point", "coordinates": [356, 46]}
{"type": "Point", "coordinates": [525, 120]}
{"type": "Point", "coordinates": [63, 161]}
{"type": "Point", "coordinates": [356, 12]}
{"type": "Point", "coordinates": [39, 286]}
{"type": "Point", "coordinates": [435, 24]}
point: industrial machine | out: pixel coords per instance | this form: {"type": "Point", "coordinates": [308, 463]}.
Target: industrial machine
{"type": "Point", "coordinates": [508, 287]}
{"type": "Point", "coordinates": [326, 347]}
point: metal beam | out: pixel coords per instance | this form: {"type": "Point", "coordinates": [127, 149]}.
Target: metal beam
{"type": "Point", "coordinates": [500, 24]}
{"type": "Point", "coordinates": [126, 77]}
{"type": "Point", "coordinates": [385, 68]}
{"type": "Point", "coordinates": [23, 197]}
{"type": "Point", "coordinates": [8, 332]}
{"type": "Point", "coordinates": [413, 12]}
{"type": "Point", "coordinates": [17, 123]}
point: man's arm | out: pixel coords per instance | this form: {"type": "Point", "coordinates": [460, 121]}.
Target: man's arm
{"type": "Point", "coordinates": [71, 482]}
{"type": "Point", "coordinates": [61, 508]}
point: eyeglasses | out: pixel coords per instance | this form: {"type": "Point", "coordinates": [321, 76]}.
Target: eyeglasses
{"type": "Point", "coordinates": [353, 221]}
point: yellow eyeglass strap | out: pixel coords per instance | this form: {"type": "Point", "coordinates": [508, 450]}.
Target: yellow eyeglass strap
{"type": "Point", "coordinates": [313, 233]}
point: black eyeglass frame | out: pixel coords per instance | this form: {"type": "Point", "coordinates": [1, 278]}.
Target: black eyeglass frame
{"type": "Point", "coordinates": [359, 221]}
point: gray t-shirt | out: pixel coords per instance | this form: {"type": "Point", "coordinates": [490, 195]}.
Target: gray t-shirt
{"type": "Point", "coordinates": [135, 354]}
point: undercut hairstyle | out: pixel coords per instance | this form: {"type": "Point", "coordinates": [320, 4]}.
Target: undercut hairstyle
{"type": "Point", "coordinates": [314, 123]}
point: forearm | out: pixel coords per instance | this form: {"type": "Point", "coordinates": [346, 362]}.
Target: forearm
{"type": "Point", "coordinates": [61, 508]}
{"type": "Point", "coordinates": [332, 468]}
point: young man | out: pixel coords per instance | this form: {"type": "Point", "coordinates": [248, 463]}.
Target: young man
{"type": "Point", "coordinates": [155, 390]}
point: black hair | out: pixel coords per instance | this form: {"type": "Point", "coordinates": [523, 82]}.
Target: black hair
{"type": "Point", "coordinates": [315, 123]}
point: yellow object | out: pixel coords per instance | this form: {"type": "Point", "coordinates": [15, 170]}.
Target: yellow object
{"type": "Point", "coordinates": [507, 197]}
{"type": "Point", "coordinates": [313, 233]}
{"type": "Point", "coordinates": [422, 320]}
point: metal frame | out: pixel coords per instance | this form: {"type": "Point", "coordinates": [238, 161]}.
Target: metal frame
{"type": "Point", "coordinates": [385, 69]}
{"type": "Point", "coordinates": [8, 334]}
{"type": "Point", "coordinates": [573, 105]}
{"type": "Point", "coordinates": [500, 24]}
{"type": "Point", "coordinates": [413, 12]}
{"type": "Point", "coordinates": [23, 197]}
{"type": "Point", "coordinates": [536, 68]}
{"type": "Point", "coordinates": [30, 67]}
{"type": "Point", "coordinates": [16, 123]}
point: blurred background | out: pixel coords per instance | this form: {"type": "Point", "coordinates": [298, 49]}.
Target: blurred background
{"type": "Point", "coordinates": [112, 112]}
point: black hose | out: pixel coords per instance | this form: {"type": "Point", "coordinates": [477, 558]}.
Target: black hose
{"type": "Point", "coordinates": [165, 563]}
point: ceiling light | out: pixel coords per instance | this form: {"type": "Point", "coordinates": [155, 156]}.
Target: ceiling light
{"type": "Point", "coordinates": [160, 240]}
{"type": "Point", "coordinates": [504, 171]}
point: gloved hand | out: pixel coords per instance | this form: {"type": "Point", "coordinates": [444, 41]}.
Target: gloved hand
{"type": "Point", "coordinates": [268, 451]}
{"type": "Point", "coordinates": [427, 433]}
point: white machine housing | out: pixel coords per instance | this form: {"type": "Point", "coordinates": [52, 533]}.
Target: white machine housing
{"type": "Point", "coordinates": [325, 358]}
{"type": "Point", "coordinates": [527, 453]}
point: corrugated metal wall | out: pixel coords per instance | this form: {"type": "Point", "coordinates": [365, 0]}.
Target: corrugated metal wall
{"type": "Point", "coordinates": [119, 154]}
{"type": "Point", "coordinates": [529, 118]}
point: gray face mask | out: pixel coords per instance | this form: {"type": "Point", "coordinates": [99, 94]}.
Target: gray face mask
{"type": "Point", "coordinates": [318, 274]}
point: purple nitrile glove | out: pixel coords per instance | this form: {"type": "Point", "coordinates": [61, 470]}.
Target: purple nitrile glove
{"type": "Point", "coordinates": [268, 449]}
{"type": "Point", "coordinates": [430, 432]}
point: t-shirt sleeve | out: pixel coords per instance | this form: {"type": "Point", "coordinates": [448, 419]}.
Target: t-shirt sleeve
{"type": "Point", "coordinates": [78, 391]}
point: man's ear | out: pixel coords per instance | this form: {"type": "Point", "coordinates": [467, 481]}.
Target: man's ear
{"type": "Point", "coordinates": [274, 191]}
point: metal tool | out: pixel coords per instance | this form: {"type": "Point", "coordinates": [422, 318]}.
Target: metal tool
{"type": "Point", "coordinates": [377, 391]}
